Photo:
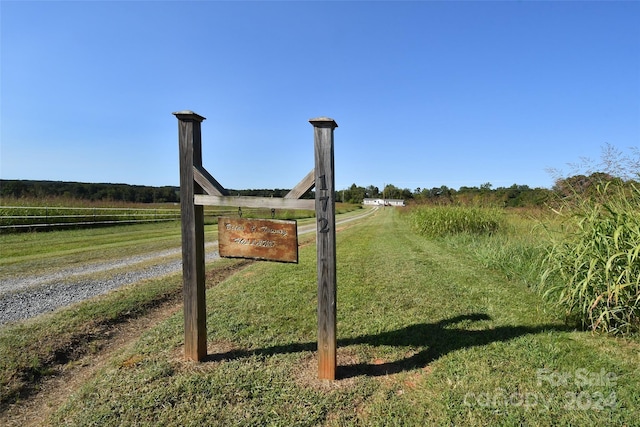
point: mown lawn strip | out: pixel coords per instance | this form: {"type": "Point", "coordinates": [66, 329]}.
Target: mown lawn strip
{"type": "Point", "coordinates": [426, 336]}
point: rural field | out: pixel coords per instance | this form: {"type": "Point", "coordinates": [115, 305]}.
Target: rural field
{"type": "Point", "coordinates": [433, 328]}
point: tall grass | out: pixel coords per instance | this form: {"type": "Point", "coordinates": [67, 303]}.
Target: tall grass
{"type": "Point", "coordinates": [516, 250]}
{"type": "Point", "coordinates": [584, 261]}
{"type": "Point", "coordinates": [508, 241]}
{"type": "Point", "coordinates": [592, 269]}
{"type": "Point", "coordinates": [440, 221]}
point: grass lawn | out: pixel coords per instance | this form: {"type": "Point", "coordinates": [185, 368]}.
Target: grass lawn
{"type": "Point", "coordinates": [426, 336]}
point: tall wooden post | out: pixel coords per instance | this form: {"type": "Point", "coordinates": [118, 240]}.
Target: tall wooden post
{"type": "Point", "coordinates": [326, 245]}
{"type": "Point", "coordinates": [193, 279]}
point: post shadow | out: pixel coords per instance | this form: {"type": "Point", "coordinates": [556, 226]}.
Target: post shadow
{"type": "Point", "coordinates": [439, 338]}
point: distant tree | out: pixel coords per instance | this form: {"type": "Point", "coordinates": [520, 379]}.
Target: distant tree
{"type": "Point", "coordinates": [88, 191]}
{"type": "Point", "coordinates": [406, 194]}
{"type": "Point", "coordinates": [613, 162]}
{"type": "Point", "coordinates": [392, 192]}
{"type": "Point", "coordinates": [486, 186]}
{"type": "Point", "coordinates": [354, 194]}
{"type": "Point", "coordinates": [372, 192]}
{"type": "Point", "coordinates": [580, 184]}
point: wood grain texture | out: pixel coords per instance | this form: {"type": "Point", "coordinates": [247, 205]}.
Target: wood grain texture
{"type": "Point", "coordinates": [193, 274]}
{"type": "Point", "coordinates": [325, 245]}
{"type": "Point", "coordinates": [207, 182]}
{"type": "Point", "coordinates": [195, 180]}
{"type": "Point", "coordinates": [254, 202]}
{"type": "Point", "coordinates": [303, 186]}
{"type": "Point", "coordinates": [263, 239]}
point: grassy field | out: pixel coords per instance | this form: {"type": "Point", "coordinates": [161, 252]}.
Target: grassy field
{"type": "Point", "coordinates": [430, 332]}
{"type": "Point", "coordinates": [26, 253]}
{"type": "Point", "coordinates": [42, 348]}
{"type": "Point", "coordinates": [17, 215]}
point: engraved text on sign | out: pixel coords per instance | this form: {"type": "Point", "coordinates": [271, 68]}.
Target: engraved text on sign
{"type": "Point", "coordinates": [264, 239]}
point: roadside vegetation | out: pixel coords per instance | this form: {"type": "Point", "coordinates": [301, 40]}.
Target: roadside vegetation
{"type": "Point", "coordinates": [592, 269]}
{"type": "Point", "coordinates": [430, 332]}
{"type": "Point", "coordinates": [582, 252]}
{"type": "Point", "coordinates": [441, 221]}
{"type": "Point", "coordinates": [583, 255]}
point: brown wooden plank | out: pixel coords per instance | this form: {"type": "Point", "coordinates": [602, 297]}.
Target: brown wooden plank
{"type": "Point", "coordinates": [303, 186]}
{"type": "Point", "coordinates": [195, 339]}
{"type": "Point", "coordinates": [325, 245]}
{"type": "Point", "coordinates": [254, 202]}
{"type": "Point", "coordinates": [208, 182]}
{"type": "Point", "coordinates": [263, 239]}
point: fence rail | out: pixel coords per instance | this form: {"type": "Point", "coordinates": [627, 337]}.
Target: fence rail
{"type": "Point", "coordinates": [16, 218]}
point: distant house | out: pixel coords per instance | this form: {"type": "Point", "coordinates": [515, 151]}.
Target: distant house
{"type": "Point", "coordinates": [383, 202]}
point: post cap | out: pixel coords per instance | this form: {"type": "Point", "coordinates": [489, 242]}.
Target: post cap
{"type": "Point", "coordinates": [188, 115]}
{"type": "Point", "coordinates": [324, 122]}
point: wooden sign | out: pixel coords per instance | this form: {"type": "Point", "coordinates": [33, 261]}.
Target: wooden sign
{"type": "Point", "coordinates": [264, 239]}
{"type": "Point", "coordinates": [257, 239]}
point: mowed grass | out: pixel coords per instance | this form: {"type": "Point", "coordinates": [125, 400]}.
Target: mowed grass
{"type": "Point", "coordinates": [427, 335]}
{"type": "Point", "coordinates": [41, 347]}
{"type": "Point", "coordinates": [38, 253]}
{"type": "Point", "coordinates": [47, 252]}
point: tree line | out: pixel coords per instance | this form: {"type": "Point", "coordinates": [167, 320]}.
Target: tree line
{"type": "Point", "coordinates": [88, 191]}
{"type": "Point", "coordinates": [19, 189]}
{"type": "Point", "coordinates": [614, 166]}
{"type": "Point", "coordinates": [513, 196]}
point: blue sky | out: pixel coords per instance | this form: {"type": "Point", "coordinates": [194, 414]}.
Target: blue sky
{"type": "Point", "coordinates": [424, 93]}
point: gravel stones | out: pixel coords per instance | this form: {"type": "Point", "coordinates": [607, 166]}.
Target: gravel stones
{"type": "Point", "coordinates": [26, 297]}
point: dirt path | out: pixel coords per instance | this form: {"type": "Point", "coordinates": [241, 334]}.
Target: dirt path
{"type": "Point", "coordinates": [54, 391]}
{"type": "Point", "coordinates": [68, 378]}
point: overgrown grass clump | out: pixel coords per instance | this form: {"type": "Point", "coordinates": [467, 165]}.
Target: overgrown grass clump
{"type": "Point", "coordinates": [508, 241]}
{"type": "Point", "coordinates": [592, 269]}
{"type": "Point", "coordinates": [516, 250]}
{"type": "Point", "coordinates": [440, 221]}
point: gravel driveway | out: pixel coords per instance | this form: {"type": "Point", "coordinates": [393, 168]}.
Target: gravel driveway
{"type": "Point", "coordinates": [26, 297]}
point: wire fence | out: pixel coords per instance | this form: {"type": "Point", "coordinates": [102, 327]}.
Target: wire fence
{"type": "Point", "coordinates": [21, 218]}
{"type": "Point", "coordinates": [27, 218]}
{"type": "Point", "coordinates": [15, 218]}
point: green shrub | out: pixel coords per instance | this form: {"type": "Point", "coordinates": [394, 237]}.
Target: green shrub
{"type": "Point", "coordinates": [440, 221]}
{"type": "Point", "coordinates": [592, 269]}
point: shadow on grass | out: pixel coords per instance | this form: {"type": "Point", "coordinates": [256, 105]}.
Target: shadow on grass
{"type": "Point", "coordinates": [439, 339]}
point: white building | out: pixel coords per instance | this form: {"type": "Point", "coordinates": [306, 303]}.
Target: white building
{"type": "Point", "coordinates": [383, 202]}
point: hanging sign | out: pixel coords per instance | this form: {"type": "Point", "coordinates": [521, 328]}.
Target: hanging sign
{"type": "Point", "coordinates": [264, 239]}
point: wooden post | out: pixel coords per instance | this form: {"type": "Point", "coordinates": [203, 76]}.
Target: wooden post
{"type": "Point", "coordinates": [326, 245]}
{"type": "Point", "coordinates": [193, 279]}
